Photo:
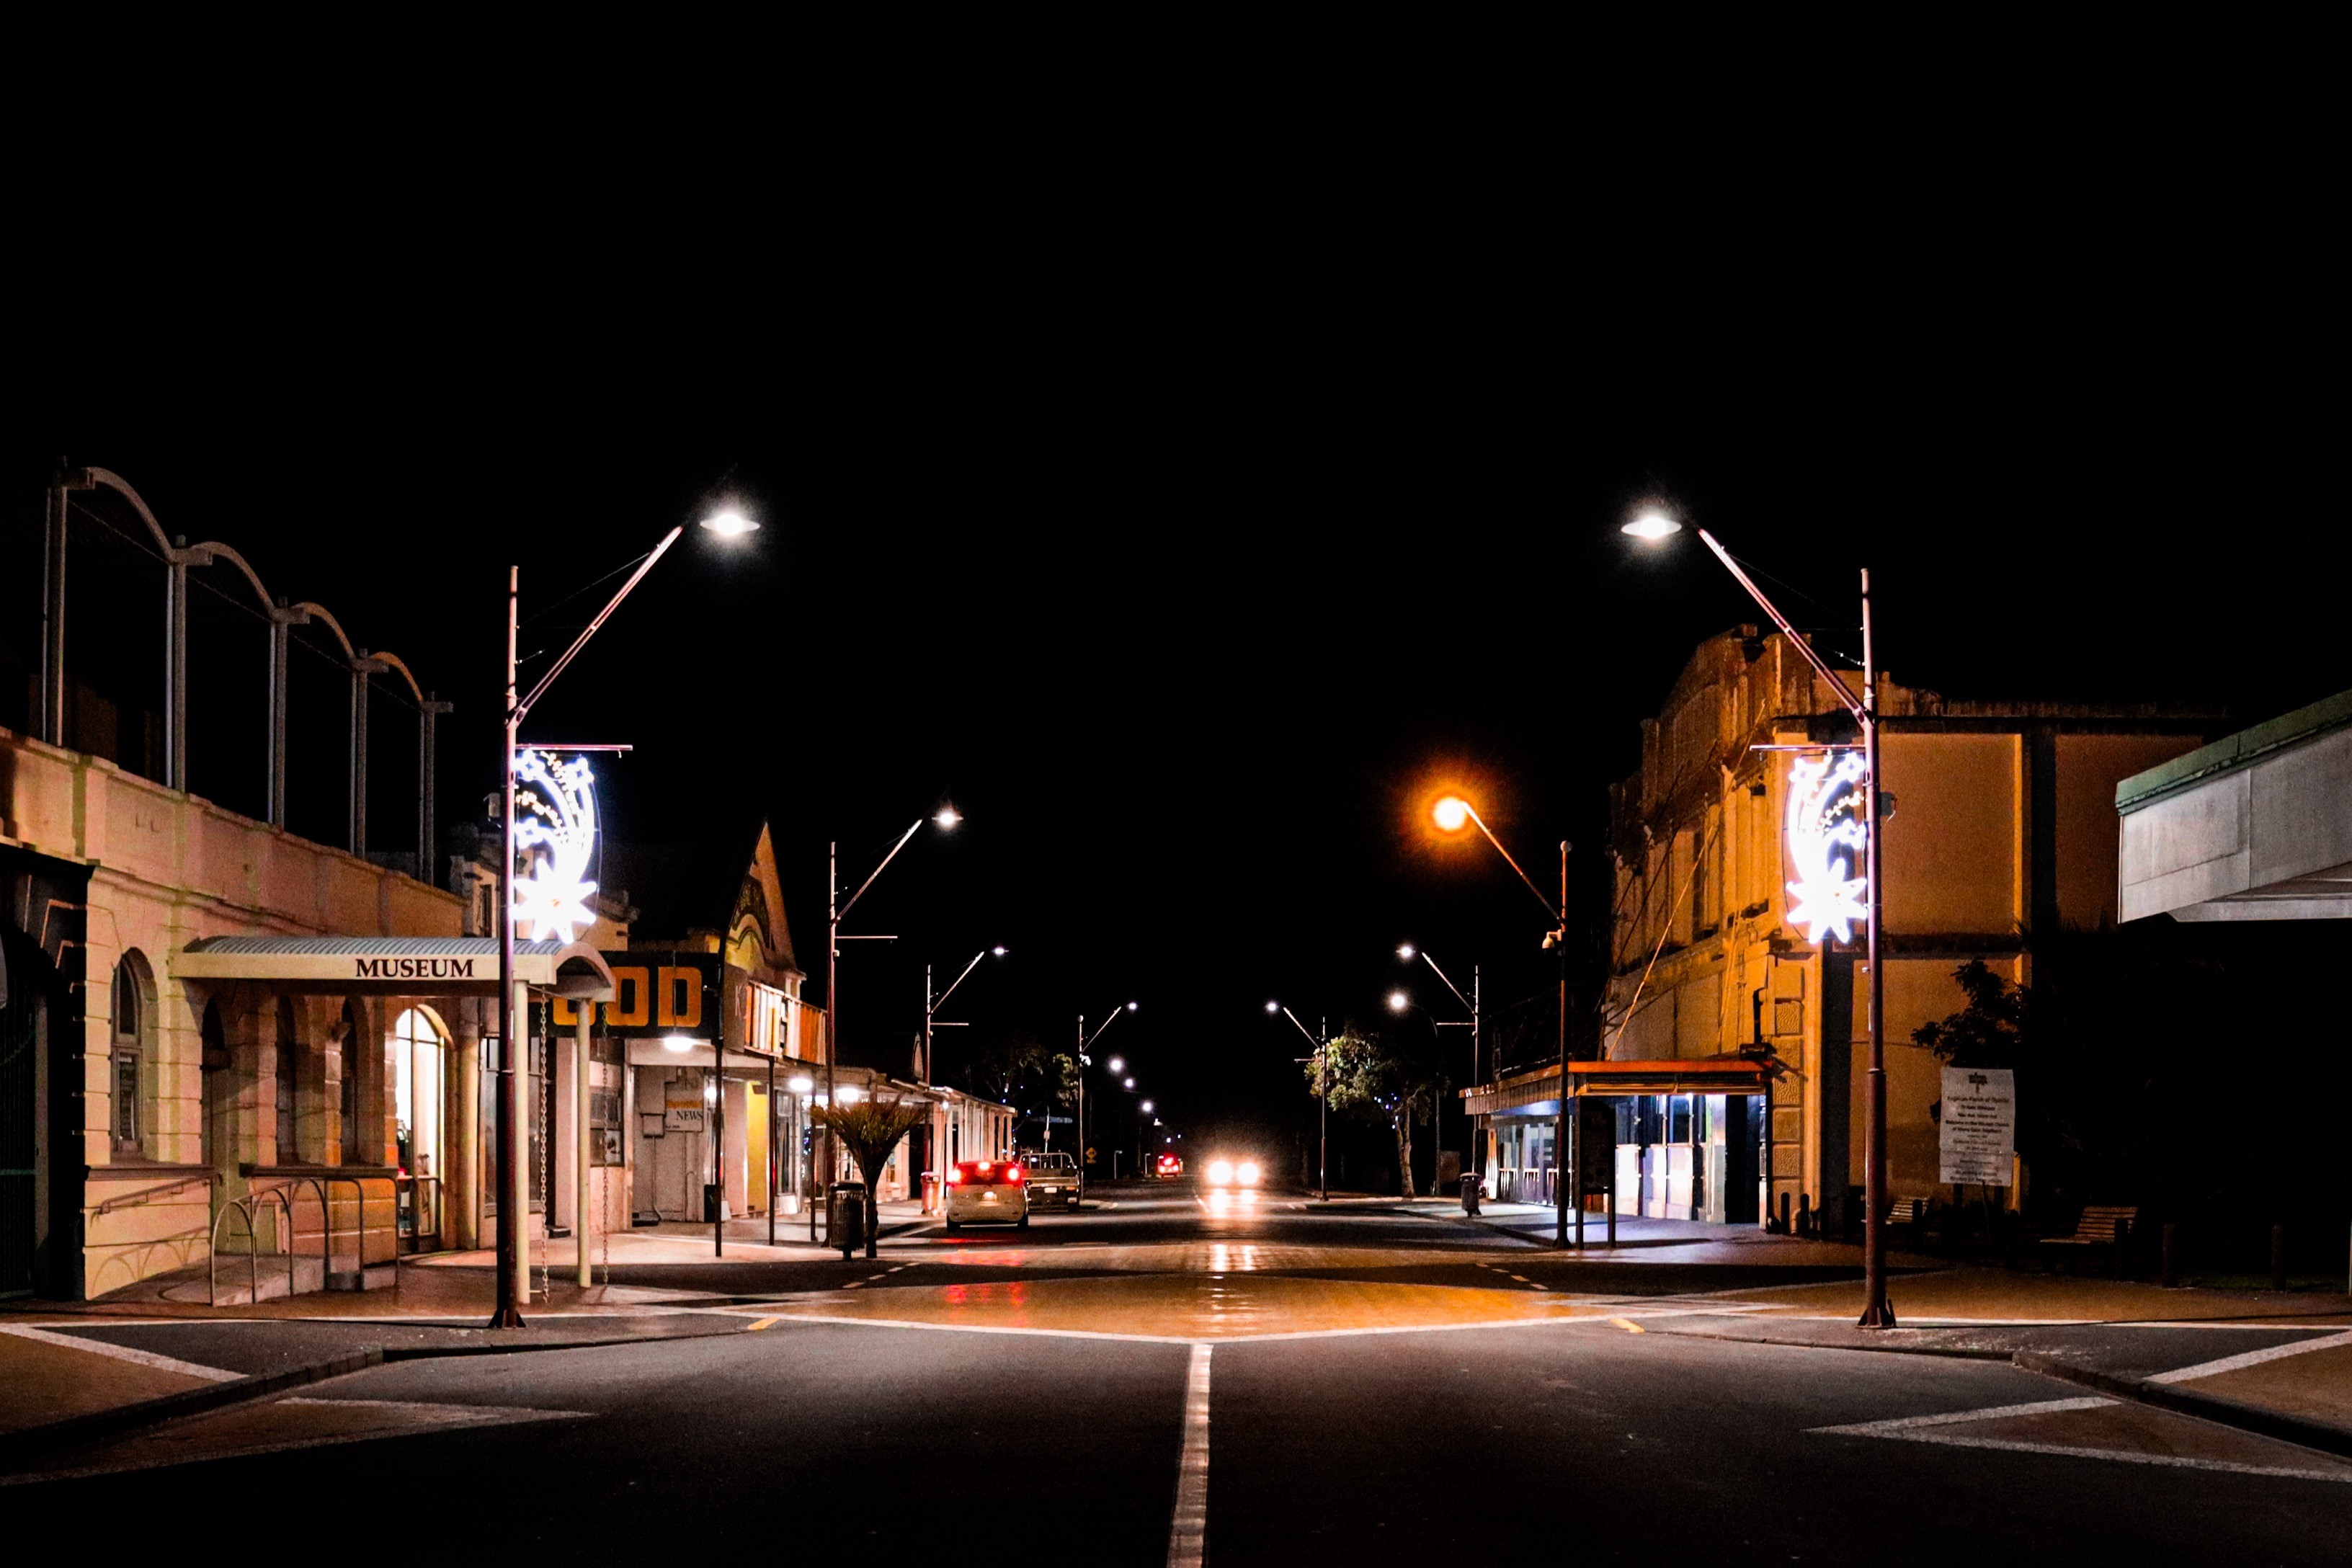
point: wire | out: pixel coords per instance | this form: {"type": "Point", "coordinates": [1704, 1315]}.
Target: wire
{"type": "Point", "coordinates": [558, 604]}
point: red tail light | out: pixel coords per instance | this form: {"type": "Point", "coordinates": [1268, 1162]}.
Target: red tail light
{"type": "Point", "coordinates": [1013, 1172]}
{"type": "Point", "coordinates": [955, 1176]}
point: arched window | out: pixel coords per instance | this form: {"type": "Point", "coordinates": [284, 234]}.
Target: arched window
{"type": "Point", "coordinates": [133, 1009]}
{"type": "Point", "coordinates": [416, 1068]}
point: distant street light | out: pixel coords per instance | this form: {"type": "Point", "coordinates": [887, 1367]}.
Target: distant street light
{"type": "Point", "coordinates": [1321, 1059]}
{"type": "Point", "coordinates": [945, 818]}
{"type": "Point", "coordinates": [1085, 1044]}
{"type": "Point", "coordinates": [1408, 952]}
{"type": "Point", "coordinates": [1878, 1312]}
{"type": "Point", "coordinates": [1452, 815]}
{"type": "Point", "coordinates": [729, 523]}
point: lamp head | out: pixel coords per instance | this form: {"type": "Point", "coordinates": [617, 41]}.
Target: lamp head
{"type": "Point", "coordinates": [1271, 1008]}
{"type": "Point", "coordinates": [1116, 1064]}
{"type": "Point", "coordinates": [1405, 952]}
{"type": "Point", "coordinates": [1128, 1083]}
{"type": "Point", "coordinates": [1650, 524]}
{"type": "Point", "coordinates": [1131, 1006]}
{"type": "Point", "coordinates": [729, 523]}
{"type": "Point", "coordinates": [1451, 815]}
{"type": "Point", "coordinates": [947, 817]}
{"type": "Point", "coordinates": [1399, 1001]}
{"type": "Point", "coordinates": [1147, 1108]}
{"type": "Point", "coordinates": [998, 950]}
{"type": "Point", "coordinates": [801, 1085]}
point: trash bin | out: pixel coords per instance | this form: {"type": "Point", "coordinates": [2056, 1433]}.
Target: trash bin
{"type": "Point", "coordinates": [1470, 1192]}
{"type": "Point", "coordinates": [713, 1205]}
{"type": "Point", "coordinates": [930, 1192]}
{"type": "Point", "coordinates": [845, 1223]}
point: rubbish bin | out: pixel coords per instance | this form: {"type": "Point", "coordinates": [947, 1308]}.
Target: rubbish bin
{"type": "Point", "coordinates": [845, 1223]}
{"type": "Point", "coordinates": [1470, 1192]}
{"type": "Point", "coordinates": [930, 1192]}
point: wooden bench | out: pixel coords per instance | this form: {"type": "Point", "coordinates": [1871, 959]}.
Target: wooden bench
{"type": "Point", "coordinates": [2102, 1224]}
{"type": "Point", "coordinates": [1907, 1210]}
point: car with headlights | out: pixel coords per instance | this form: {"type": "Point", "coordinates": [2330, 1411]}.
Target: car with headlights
{"type": "Point", "coordinates": [1225, 1172]}
{"type": "Point", "coordinates": [988, 1192]}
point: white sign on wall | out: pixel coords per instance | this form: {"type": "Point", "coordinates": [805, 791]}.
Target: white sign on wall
{"type": "Point", "coordinates": [682, 1107]}
{"type": "Point", "coordinates": [1978, 1129]}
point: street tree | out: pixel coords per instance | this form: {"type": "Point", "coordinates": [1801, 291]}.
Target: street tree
{"type": "Point", "coordinates": [1368, 1077]}
{"type": "Point", "coordinates": [870, 1130]}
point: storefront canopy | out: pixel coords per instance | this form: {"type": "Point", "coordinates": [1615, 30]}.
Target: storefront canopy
{"type": "Point", "coordinates": [1537, 1093]}
{"type": "Point", "coordinates": [399, 965]}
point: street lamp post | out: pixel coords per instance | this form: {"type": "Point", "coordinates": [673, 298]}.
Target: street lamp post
{"type": "Point", "coordinates": [931, 1005]}
{"type": "Point", "coordinates": [514, 1201]}
{"type": "Point", "coordinates": [945, 818]}
{"type": "Point", "coordinates": [1322, 1060]}
{"type": "Point", "coordinates": [1408, 952]}
{"type": "Point", "coordinates": [1878, 1312]}
{"type": "Point", "coordinates": [1085, 1044]}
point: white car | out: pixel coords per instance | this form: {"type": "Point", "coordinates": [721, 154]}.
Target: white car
{"type": "Point", "coordinates": [988, 1192]}
{"type": "Point", "coordinates": [1053, 1179]}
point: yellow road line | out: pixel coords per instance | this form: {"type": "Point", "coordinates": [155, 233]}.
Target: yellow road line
{"type": "Point", "coordinates": [762, 1323]}
{"type": "Point", "coordinates": [1630, 1328]}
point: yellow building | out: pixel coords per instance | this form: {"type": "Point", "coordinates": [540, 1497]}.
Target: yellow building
{"type": "Point", "coordinates": [2003, 825]}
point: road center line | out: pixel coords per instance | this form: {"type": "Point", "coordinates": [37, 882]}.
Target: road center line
{"type": "Point", "coordinates": [1189, 1531]}
{"type": "Point", "coordinates": [2250, 1358]}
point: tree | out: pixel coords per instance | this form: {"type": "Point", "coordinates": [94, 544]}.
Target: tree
{"type": "Point", "coordinates": [1022, 1073]}
{"type": "Point", "coordinates": [870, 1130]}
{"type": "Point", "coordinates": [1363, 1076]}
{"type": "Point", "coordinates": [1990, 1031]}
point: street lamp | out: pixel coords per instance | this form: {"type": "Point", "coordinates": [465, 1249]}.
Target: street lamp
{"type": "Point", "coordinates": [1116, 1064]}
{"type": "Point", "coordinates": [1407, 953]}
{"type": "Point", "coordinates": [513, 1203]}
{"type": "Point", "coordinates": [931, 1005]}
{"type": "Point", "coordinates": [1321, 1059]}
{"type": "Point", "coordinates": [1452, 815]}
{"type": "Point", "coordinates": [1878, 1312]}
{"type": "Point", "coordinates": [944, 819]}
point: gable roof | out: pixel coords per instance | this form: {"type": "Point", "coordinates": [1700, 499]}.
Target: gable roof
{"type": "Point", "coordinates": [698, 886]}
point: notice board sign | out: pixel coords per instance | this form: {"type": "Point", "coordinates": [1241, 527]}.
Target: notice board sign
{"type": "Point", "coordinates": [1978, 1128]}
{"type": "Point", "coordinates": [682, 1109]}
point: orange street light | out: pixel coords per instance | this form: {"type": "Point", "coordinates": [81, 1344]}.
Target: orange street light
{"type": "Point", "coordinates": [1453, 814]}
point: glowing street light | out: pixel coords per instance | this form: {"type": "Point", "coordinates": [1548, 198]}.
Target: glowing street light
{"type": "Point", "coordinates": [1453, 814]}
{"type": "Point", "coordinates": [1116, 1065]}
{"type": "Point", "coordinates": [729, 523]}
{"type": "Point", "coordinates": [947, 817]}
{"type": "Point", "coordinates": [1399, 1001]}
{"type": "Point", "coordinates": [1650, 525]}
{"type": "Point", "coordinates": [1405, 951]}
{"type": "Point", "coordinates": [1826, 895]}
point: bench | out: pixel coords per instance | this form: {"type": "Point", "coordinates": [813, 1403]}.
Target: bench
{"type": "Point", "coordinates": [1907, 1210]}
{"type": "Point", "coordinates": [2102, 1224]}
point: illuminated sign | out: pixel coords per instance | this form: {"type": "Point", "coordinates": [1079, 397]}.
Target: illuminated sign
{"type": "Point", "coordinates": [555, 836]}
{"type": "Point", "coordinates": [1827, 835]}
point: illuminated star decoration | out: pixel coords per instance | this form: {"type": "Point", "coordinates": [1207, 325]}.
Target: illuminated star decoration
{"type": "Point", "coordinates": [555, 814]}
{"type": "Point", "coordinates": [1825, 806]}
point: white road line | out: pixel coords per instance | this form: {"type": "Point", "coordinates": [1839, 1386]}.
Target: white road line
{"type": "Point", "coordinates": [2250, 1358]}
{"type": "Point", "coordinates": [1922, 1429]}
{"type": "Point", "coordinates": [1991, 1412]}
{"type": "Point", "coordinates": [124, 1353]}
{"type": "Point", "coordinates": [1189, 1529]}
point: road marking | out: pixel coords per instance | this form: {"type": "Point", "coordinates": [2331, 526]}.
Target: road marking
{"type": "Point", "coordinates": [124, 1353]}
{"type": "Point", "coordinates": [1189, 1529]}
{"type": "Point", "coordinates": [763, 1323]}
{"type": "Point", "coordinates": [1925, 1429]}
{"type": "Point", "coordinates": [2250, 1358]}
{"type": "Point", "coordinates": [1629, 1325]}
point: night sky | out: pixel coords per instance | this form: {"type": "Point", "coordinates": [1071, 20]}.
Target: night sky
{"type": "Point", "coordinates": [1186, 570]}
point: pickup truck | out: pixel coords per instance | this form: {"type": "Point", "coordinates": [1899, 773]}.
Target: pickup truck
{"type": "Point", "coordinates": [1052, 1178]}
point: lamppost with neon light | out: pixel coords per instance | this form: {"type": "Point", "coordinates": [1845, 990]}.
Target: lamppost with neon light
{"type": "Point", "coordinates": [513, 1201]}
{"type": "Point", "coordinates": [1452, 815]}
{"type": "Point", "coordinates": [1407, 953]}
{"type": "Point", "coordinates": [1653, 525]}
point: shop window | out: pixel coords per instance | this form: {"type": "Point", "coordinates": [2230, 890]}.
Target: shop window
{"type": "Point", "coordinates": [134, 1024]}
{"type": "Point", "coordinates": [416, 1062]}
{"type": "Point", "coordinates": [1678, 1119]}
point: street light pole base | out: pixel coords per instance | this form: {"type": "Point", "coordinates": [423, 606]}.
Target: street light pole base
{"type": "Point", "coordinates": [505, 1318]}
{"type": "Point", "coordinates": [1878, 1315]}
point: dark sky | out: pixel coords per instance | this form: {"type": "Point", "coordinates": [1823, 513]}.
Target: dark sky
{"type": "Point", "coordinates": [1184, 548]}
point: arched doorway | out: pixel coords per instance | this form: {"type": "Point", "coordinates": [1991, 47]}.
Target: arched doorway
{"type": "Point", "coordinates": [420, 1068]}
{"type": "Point", "coordinates": [24, 1039]}
{"type": "Point", "coordinates": [219, 1093]}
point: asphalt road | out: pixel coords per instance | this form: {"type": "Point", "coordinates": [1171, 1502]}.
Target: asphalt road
{"type": "Point", "coordinates": [933, 1427]}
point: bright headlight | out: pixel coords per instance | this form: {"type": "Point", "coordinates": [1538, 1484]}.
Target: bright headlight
{"type": "Point", "coordinates": [1246, 1173]}
{"type": "Point", "coordinates": [1221, 1172]}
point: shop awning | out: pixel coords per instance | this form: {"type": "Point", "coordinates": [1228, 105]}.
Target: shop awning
{"type": "Point", "coordinates": [401, 965]}
{"type": "Point", "coordinates": [1537, 1093]}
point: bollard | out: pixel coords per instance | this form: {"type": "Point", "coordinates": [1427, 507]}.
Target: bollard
{"type": "Point", "coordinates": [2171, 1253]}
{"type": "Point", "coordinates": [2278, 1257]}
{"type": "Point", "coordinates": [1787, 1226]}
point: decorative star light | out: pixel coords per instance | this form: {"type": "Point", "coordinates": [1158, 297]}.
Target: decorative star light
{"type": "Point", "coordinates": [555, 817]}
{"type": "Point", "coordinates": [1825, 807]}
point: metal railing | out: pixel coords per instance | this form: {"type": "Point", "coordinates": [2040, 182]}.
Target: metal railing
{"type": "Point", "coordinates": [286, 1192]}
{"type": "Point", "coordinates": [246, 1207]}
{"type": "Point", "coordinates": [149, 1194]}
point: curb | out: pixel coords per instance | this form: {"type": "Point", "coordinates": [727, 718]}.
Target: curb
{"type": "Point", "coordinates": [1947, 1353]}
{"type": "Point", "coordinates": [29, 1440]}
{"type": "Point", "coordinates": [2324, 1435]}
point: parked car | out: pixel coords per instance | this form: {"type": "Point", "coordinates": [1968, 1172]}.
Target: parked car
{"type": "Point", "coordinates": [988, 1192]}
{"type": "Point", "coordinates": [1053, 1179]}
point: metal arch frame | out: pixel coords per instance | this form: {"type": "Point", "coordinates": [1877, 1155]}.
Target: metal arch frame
{"type": "Point", "coordinates": [281, 619]}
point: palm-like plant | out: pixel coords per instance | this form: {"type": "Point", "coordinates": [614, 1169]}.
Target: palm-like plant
{"type": "Point", "coordinates": [870, 1130]}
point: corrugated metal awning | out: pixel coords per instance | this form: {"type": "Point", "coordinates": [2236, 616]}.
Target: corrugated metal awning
{"type": "Point", "coordinates": [418, 965]}
{"type": "Point", "coordinates": [1699, 1075]}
